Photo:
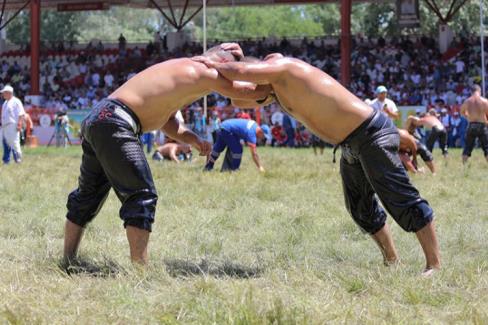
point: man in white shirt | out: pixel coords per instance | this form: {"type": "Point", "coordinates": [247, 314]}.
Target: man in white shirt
{"type": "Point", "coordinates": [109, 79]}
{"type": "Point", "coordinates": [459, 66]}
{"type": "Point", "coordinates": [12, 118]}
{"type": "Point", "coordinates": [381, 103]}
{"type": "Point", "coordinates": [277, 117]}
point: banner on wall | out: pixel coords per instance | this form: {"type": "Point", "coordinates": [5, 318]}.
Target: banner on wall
{"type": "Point", "coordinates": [405, 112]}
{"type": "Point", "coordinates": [408, 13]}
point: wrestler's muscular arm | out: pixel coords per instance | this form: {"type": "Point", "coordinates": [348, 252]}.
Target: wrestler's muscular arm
{"type": "Point", "coordinates": [261, 73]}
{"type": "Point", "coordinates": [407, 143]}
{"type": "Point", "coordinates": [464, 109]}
{"type": "Point", "coordinates": [266, 100]}
{"type": "Point", "coordinates": [179, 132]}
{"type": "Point", "coordinates": [172, 154]}
{"type": "Point", "coordinates": [410, 142]}
{"type": "Point", "coordinates": [243, 92]}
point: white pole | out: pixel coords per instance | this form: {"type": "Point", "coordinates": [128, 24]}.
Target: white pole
{"type": "Point", "coordinates": [482, 38]}
{"type": "Point", "coordinates": [204, 49]}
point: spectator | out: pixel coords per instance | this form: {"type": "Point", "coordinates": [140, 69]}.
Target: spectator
{"type": "Point", "coordinates": [458, 126]}
{"type": "Point", "coordinates": [289, 128]}
{"type": "Point", "coordinates": [122, 43]}
{"type": "Point", "coordinates": [12, 120]}
{"type": "Point", "coordinates": [386, 105]}
{"type": "Point", "coordinates": [109, 80]}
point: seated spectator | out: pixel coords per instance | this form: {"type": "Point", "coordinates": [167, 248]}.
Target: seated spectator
{"type": "Point", "coordinates": [279, 136]}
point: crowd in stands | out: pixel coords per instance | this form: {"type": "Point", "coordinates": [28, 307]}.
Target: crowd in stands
{"type": "Point", "coordinates": [413, 69]}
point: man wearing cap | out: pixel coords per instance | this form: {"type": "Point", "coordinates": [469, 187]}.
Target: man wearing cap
{"type": "Point", "coordinates": [229, 136]}
{"type": "Point", "coordinates": [383, 104]}
{"type": "Point", "coordinates": [12, 119]}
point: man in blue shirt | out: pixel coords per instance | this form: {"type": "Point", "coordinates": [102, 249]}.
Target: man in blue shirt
{"type": "Point", "coordinates": [229, 136]}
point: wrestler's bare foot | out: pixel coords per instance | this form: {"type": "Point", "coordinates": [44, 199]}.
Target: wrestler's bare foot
{"type": "Point", "coordinates": [72, 238]}
{"type": "Point", "coordinates": [427, 273]}
{"type": "Point", "coordinates": [138, 240]}
{"type": "Point", "coordinates": [384, 240]}
{"type": "Point", "coordinates": [392, 262]}
{"type": "Point", "coordinates": [428, 240]}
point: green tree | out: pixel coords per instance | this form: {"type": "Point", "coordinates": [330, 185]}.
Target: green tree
{"type": "Point", "coordinates": [18, 31]}
{"type": "Point", "coordinates": [55, 26]}
{"type": "Point", "coordinates": [135, 24]}
{"type": "Point", "coordinates": [328, 16]}
{"type": "Point", "coordinates": [255, 22]}
{"type": "Point", "coordinates": [370, 19]}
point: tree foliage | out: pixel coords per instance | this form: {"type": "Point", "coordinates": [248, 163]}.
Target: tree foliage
{"type": "Point", "coordinates": [55, 26]}
{"type": "Point", "coordinates": [369, 19]}
{"type": "Point", "coordinates": [255, 22]}
{"type": "Point", "coordinates": [135, 24]}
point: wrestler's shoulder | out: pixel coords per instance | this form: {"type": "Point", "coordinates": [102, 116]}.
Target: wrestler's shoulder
{"type": "Point", "coordinates": [180, 66]}
{"type": "Point", "coordinates": [178, 62]}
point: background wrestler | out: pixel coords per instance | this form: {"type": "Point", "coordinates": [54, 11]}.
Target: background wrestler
{"type": "Point", "coordinates": [475, 109]}
{"type": "Point", "coordinates": [437, 130]}
{"type": "Point", "coordinates": [172, 151]}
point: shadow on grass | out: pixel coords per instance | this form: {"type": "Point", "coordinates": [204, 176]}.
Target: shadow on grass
{"type": "Point", "coordinates": [185, 268]}
{"type": "Point", "coordinates": [82, 266]}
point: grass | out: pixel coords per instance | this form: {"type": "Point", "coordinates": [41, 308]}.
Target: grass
{"type": "Point", "coordinates": [239, 248]}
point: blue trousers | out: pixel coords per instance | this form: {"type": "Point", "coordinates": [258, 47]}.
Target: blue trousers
{"type": "Point", "coordinates": [148, 139]}
{"type": "Point", "coordinates": [6, 152]}
{"type": "Point", "coordinates": [226, 139]}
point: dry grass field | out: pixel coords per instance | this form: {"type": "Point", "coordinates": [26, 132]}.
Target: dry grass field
{"type": "Point", "coordinates": [240, 248]}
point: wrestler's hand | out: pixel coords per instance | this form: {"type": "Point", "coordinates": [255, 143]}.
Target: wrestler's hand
{"type": "Point", "coordinates": [261, 169]}
{"type": "Point", "coordinates": [204, 147]}
{"type": "Point", "coordinates": [202, 59]}
{"type": "Point", "coordinates": [233, 48]}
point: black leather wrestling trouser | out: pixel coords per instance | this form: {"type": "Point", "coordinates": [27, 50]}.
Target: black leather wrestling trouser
{"type": "Point", "coordinates": [437, 135]}
{"type": "Point", "coordinates": [423, 151]}
{"type": "Point", "coordinates": [476, 130]}
{"type": "Point", "coordinates": [113, 157]}
{"type": "Point", "coordinates": [370, 165]}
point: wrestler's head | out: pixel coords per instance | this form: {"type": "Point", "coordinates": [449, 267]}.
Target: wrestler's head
{"type": "Point", "coordinates": [273, 56]}
{"type": "Point", "coordinates": [476, 89]}
{"type": "Point", "coordinates": [218, 54]}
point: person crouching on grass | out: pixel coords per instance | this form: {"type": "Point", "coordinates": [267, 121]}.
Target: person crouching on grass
{"type": "Point", "coordinates": [112, 152]}
{"type": "Point", "coordinates": [229, 136]}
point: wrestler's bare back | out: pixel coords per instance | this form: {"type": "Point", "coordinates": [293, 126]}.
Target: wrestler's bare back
{"type": "Point", "coordinates": [308, 94]}
{"type": "Point", "coordinates": [173, 148]}
{"type": "Point", "coordinates": [407, 141]}
{"type": "Point", "coordinates": [156, 93]}
{"type": "Point", "coordinates": [475, 108]}
{"type": "Point", "coordinates": [430, 121]}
